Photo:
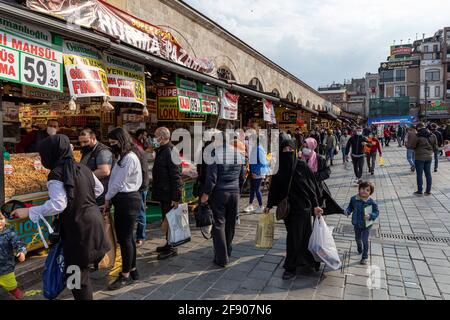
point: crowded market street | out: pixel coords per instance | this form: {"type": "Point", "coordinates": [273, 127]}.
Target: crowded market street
{"type": "Point", "coordinates": [410, 246]}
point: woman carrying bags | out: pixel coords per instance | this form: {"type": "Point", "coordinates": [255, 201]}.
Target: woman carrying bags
{"type": "Point", "coordinates": [123, 193]}
{"type": "Point", "coordinates": [72, 190]}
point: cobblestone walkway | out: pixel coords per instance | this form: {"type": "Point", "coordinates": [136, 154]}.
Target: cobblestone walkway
{"type": "Point", "coordinates": [409, 254]}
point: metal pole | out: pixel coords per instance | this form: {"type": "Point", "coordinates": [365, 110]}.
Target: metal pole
{"type": "Point", "coordinates": [426, 99]}
{"type": "Point", "coordinates": [2, 149]}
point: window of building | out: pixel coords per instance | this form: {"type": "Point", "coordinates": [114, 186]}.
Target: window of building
{"type": "Point", "coordinates": [425, 48]}
{"type": "Point", "coordinates": [400, 91]}
{"type": "Point", "coordinates": [387, 76]}
{"type": "Point", "coordinates": [435, 48]}
{"type": "Point", "coordinates": [400, 75]}
{"type": "Point", "coordinates": [256, 84]}
{"type": "Point", "coordinates": [224, 73]}
{"type": "Point", "coordinates": [437, 91]}
{"type": "Point", "coordinates": [427, 93]}
{"type": "Point", "coordinates": [433, 75]}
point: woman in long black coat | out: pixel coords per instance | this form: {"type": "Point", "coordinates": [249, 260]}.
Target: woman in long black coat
{"type": "Point", "coordinates": [72, 189]}
{"type": "Point", "coordinates": [304, 202]}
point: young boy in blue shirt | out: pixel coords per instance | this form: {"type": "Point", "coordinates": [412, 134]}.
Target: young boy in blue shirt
{"type": "Point", "coordinates": [365, 212]}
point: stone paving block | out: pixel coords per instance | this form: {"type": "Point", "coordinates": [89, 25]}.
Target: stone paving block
{"type": "Point", "coordinates": [244, 294]}
{"type": "Point", "coordinates": [266, 266]}
{"type": "Point", "coordinates": [427, 282]}
{"type": "Point", "coordinates": [280, 283]}
{"type": "Point", "coordinates": [444, 288]}
{"type": "Point", "coordinates": [358, 280]}
{"type": "Point", "coordinates": [227, 285]}
{"type": "Point", "coordinates": [213, 294]}
{"type": "Point", "coordinates": [330, 291]}
{"type": "Point", "coordinates": [187, 295]}
{"type": "Point", "coordinates": [332, 281]}
{"type": "Point", "coordinates": [442, 278]}
{"type": "Point", "coordinates": [198, 286]}
{"type": "Point", "coordinates": [272, 259]}
{"type": "Point", "coordinates": [362, 291]}
{"type": "Point", "coordinates": [253, 284]}
{"type": "Point", "coordinates": [260, 274]}
{"type": "Point", "coordinates": [430, 291]}
{"type": "Point", "coordinates": [415, 253]}
{"type": "Point", "coordinates": [422, 268]}
{"type": "Point", "coordinates": [414, 293]}
{"type": "Point", "coordinates": [301, 294]}
{"type": "Point", "coordinates": [440, 270]}
{"type": "Point", "coordinates": [396, 291]}
{"type": "Point", "coordinates": [272, 293]}
{"type": "Point", "coordinates": [380, 294]}
{"type": "Point", "coordinates": [355, 297]}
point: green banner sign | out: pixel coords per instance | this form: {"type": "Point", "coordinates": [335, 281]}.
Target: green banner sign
{"type": "Point", "coordinates": [196, 98]}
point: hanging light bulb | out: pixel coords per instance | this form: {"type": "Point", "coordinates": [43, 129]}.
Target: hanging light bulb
{"type": "Point", "coordinates": [145, 111]}
{"type": "Point", "coordinates": [106, 105]}
{"type": "Point", "coordinates": [72, 104]}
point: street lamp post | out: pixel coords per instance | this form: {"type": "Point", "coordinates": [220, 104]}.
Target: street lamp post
{"type": "Point", "coordinates": [426, 100]}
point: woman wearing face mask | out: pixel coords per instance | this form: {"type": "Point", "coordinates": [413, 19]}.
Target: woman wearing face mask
{"type": "Point", "coordinates": [72, 190]}
{"type": "Point", "coordinates": [304, 202]}
{"type": "Point", "coordinates": [123, 193]}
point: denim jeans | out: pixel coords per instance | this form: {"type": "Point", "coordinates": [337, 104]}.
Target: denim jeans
{"type": "Point", "coordinates": [362, 241]}
{"type": "Point", "coordinates": [421, 167]}
{"type": "Point", "coordinates": [141, 219]}
{"type": "Point", "coordinates": [358, 166]}
{"type": "Point", "coordinates": [330, 155]}
{"type": "Point", "coordinates": [344, 157]}
{"type": "Point", "coordinates": [255, 189]}
{"type": "Point", "coordinates": [410, 155]}
{"type": "Point", "coordinates": [371, 159]}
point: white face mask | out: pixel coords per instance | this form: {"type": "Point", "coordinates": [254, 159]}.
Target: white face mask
{"type": "Point", "coordinates": [51, 131]}
{"type": "Point", "coordinates": [306, 152]}
{"type": "Point", "coordinates": [359, 133]}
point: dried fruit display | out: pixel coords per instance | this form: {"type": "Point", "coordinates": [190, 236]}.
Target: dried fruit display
{"type": "Point", "coordinates": [27, 176]}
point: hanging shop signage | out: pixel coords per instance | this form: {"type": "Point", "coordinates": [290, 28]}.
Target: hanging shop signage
{"type": "Point", "coordinates": [229, 105]}
{"type": "Point", "coordinates": [196, 98]}
{"type": "Point", "coordinates": [109, 20]}
{"type": "Point", "coordinates": [27, 56]}
{"type": "Point", "coordinates": [85, 70]}
{"type": "Point", "coordinates": [168, 110]}
{"type": "Point", "coordinates": [126, 80]}
{"type": "Point", "coordinates": [269, 112]}
{"type": "Point", "coordinates": [438, 108]}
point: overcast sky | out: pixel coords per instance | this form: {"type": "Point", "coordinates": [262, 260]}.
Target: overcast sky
{"type": "Point", "coordinates": [321, 41]}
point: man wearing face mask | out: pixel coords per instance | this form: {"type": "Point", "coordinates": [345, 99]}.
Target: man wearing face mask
{"type": "Point", "coordinates": [30, 143]}
{"type": "Point", "coordinates": [97, 157]}
{"type": "Point", "coordinates": [357, 143]}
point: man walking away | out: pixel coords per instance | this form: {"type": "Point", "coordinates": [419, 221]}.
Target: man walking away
{"type": "Point", "coordinates": [410, 149]}
{"type": "Point", "coordinates": [222, 192]}
{"type": "Point", "coordinates": [97, 157]}
{"type": "Point", "coordinates": [357, 143]}
{"type": "Point", "coordinates": [424, 144]}
{"type": "Point", "coordinates": [440, 144]}
{"type": "Point", "coordinates": [400, 136]}
{"type": "Point", "coordinates": [167, 182]}
{"type": "Point", "coordinates": [331, 143]}
{"type": "Point", "coordinates": [343, 144]}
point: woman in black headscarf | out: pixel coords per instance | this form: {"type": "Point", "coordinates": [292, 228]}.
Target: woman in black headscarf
{"type": "Point", "coordinates": [304, 202]}
{"type": "Point", "coordinates": [72, 190]}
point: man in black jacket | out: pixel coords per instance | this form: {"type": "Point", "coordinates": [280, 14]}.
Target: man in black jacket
{"type": "Point", "coordinates": [97, 157]}
{"type": "Point", "coordinates": [357, 143]}
{"type": "Point", "coordinates": [167, 182]}
{"type": "Point", "coordinates": [440, 144]}
{"type": "Point", "coordinates": [222, 189]}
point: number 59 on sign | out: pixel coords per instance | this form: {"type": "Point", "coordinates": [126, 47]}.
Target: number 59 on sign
{"type": "Point", "coordinates": [40, 72]}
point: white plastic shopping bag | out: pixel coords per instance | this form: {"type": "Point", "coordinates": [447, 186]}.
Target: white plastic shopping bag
{"type": "Point", "coordinates": [179, 231]}
{"type": "Point", "coordinates": [322, 246]}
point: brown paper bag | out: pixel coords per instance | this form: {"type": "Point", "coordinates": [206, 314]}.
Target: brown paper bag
{"type": "Point", "coordinates": [110, 257]}
{"type": "Point", "coordinates": [165, 226]}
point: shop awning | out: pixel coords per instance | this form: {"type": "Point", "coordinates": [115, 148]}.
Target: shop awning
{"type": "Point", "coordinates": [328, 115]}
{"type": "Point", "coordinates": [102, 42]}
{"type": "Point", "coordinates": [296, 106]}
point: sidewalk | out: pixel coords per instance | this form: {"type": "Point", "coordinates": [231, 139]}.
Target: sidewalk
{"type": "Point", "coordinates": [409, 251]}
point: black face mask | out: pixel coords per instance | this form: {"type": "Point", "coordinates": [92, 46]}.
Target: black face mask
{"type": "Point", "coordinates": [86, 149]}
{"type": "Point", "coordinates": [115, 149]}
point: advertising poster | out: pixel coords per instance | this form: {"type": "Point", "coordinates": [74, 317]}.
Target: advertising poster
{"type": "Point", "coordinates": [126, 80]}
{"type": "Point", "coordinates": [269, 112]}
{"type": "Point", "coordinates": [168, 109]}
{"type": "Point", "coordinates": [85, 70]}
{"type": "Point", "coordinates": [196, 98]}
{"type": "Point", "coordinates": [229, 105]}
{"type": "Point", "coordinates": [27, 56]}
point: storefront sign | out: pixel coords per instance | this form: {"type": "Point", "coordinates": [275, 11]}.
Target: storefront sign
{"type": "Point", "coordinates": [269, 112]}
{"type": "Point", "coordinates": [109, 20]}
{"type": "Point", "coordinates": [196, 98]}
{"type": "Point", "coordinates": [126, 80]}
{"type": "Point", "coordinates": [229, 105]}
{"type": "Point", "coordinates": [168, 107]}
{"type": "Point", "coordinates": [85, 70]}
{"type": "Point", "coordinates": [401, 51]}
{"type": "Point", "coordinates": [42, 94]}
{"type": "Point", "coordinates": [26, 61]}
{"type": "Point", "coordinates": [399, 64]}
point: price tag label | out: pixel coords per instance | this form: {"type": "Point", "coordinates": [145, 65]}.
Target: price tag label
{"type": "Point", "coordinates": [195, 105]}
{"type": "Point", "coordinates": [9, 169]}
{"type": "Point", "coordinates": [214, 107]}
{"type": "Point", "coordinates": [184, 104]}
{"type": "Point", "coordinates": [206, 106]}
{"type": "Point", "coordinates": [40, 72]}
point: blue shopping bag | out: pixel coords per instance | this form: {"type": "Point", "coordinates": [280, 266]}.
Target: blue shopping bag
{"type": "Point", "coordinates": [54, 278]}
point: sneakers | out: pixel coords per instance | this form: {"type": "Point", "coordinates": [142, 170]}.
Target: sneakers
{"type": "Point", "coordinates": [167, 254]}
{"type": "Point", "coordinates": [249, 208]}
{"type": "Point", "coordinates": [417, 193]}
{"type": "Point", "coordinates": [134, 275]}
{"type": "Point", "coordinates": [428, 193]}
{"type": "Point", "coordinates": [259, 210]}
{"type": "Point", "coordinates": [364, 262]}
{"type": "Point", "coordinates": [120, 282]}
{"type": "Point", "coordinates": [16, 294]}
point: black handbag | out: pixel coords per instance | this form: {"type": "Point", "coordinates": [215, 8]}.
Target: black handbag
{"type": "Point", "coordinates": [204, 218]}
